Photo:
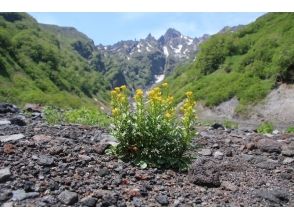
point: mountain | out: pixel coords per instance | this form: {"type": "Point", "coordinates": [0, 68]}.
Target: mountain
{"type": "Point", "coordinates": [140, 63]}
{"type": "Point", "coordinates": [245, 64]}
{"type": "Point", "coordinates": [47, 64]}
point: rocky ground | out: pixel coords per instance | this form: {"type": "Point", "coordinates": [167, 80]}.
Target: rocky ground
{"type": "Point", "coordinates": [65, 165]}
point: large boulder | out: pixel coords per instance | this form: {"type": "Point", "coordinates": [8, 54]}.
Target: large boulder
{"type": "Point", "coordinates": [8, 108]}
{"type": "Point", "coordinates": [269, 145]}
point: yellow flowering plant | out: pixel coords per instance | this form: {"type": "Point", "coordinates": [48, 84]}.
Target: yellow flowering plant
{"type": "Point", "coordinates": [148, 128]}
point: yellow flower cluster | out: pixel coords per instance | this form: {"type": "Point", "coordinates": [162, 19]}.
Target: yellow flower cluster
{"type": "Point", "coordinates": [115, 112]}
{"type": "Point", "coordinates": [139, 95]}
{"type": "Point", "coordinates": [118, 94]}
{"type": "Point", "coordinates": [119, 99]}
{"type": "Point", "coordinates": [188, 107]}
{"type": "Point", "coordinates": [155, 95]}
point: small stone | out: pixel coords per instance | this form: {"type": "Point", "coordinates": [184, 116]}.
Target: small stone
{"type": "Point", "coordinates": [275, 196]}
{"type": "Point", "coordinates": [41, 139]}
{"type": "Point", "coordinates": [228, 141]}
{"type": "Point", "coordinates": [288, 160]}
{"type": "Point", "coordinates": [18, 120]}
{"type": "Point", "coordinates": [247, 157]}
{"type": "Point", "coordinates": [135, 192]}
{"type": "Point", "coordinates": [5, 174]}
{"type": "Point", "coordinates": [268, 164]}
{"type": "Point", "coordinates": [7, 204]}
{"type": "Point", "coordinates": [68, 197]}
{"type": "Point", "coordinates": [13, 137]}
{"type": "Point", "coordinates": [288, 150]}
{"type": "Point", "coordinates": [45, 160]}
{"type": "Point", "coordinates": [229, 186]}
{"type": "Point", "coordinates": [137, 202]}
{"type": "Point", "coordinates": [4, 122]}
{"type": "Point", "coordinates": [250, 146]}
{"type": "Point", "coordinates": [9, 148]}
{"type": "Point", "coordinates": [117, 181]}
{"type": "Point", "coordinates": [205, 152]}
{"type": "Point", "coordinates": [103, 172]}
{"type": "Point", "coordinates": [20, 194]}
{"type": "Point", "coordinates": [33, 107]}
{"type": "Point", "coordinates": [276, 132]}
{"type": "Point", "coordinates": [229, 153]}
{"type": "Point", "coordinates": [162, 200]}
{"type": "Point", "coordinates": [56, 150]}
{"type": "Point", "coordinates": [4, 196]}
{"type": "Point", "coordinates": [217, 126]}
{"type": "Point", "coordinates": [218, 155]}
{"type": "Point", "coordinates": [215, 146]}
{"type": "Point", "coordinates": [85, 158]}
{"type": "Point", "coordinates": [89, 201]}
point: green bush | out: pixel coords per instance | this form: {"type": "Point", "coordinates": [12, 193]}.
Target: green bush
{"type": "Point", "coordinates": [290, 130]}
{"type": "Point", "coordinates": [230, 124]}
{"type": "Point", "coordinates": [151, 133]}
{"type": "Point", "coordinates": [83, 116]}
{"type": "Point", "coordinates": [265, 128]}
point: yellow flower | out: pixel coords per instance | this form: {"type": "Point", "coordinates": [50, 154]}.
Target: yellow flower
{"type": "Point", "coordinates": [123, 87]}
{"type": "Point", "coordinates": [170, 100]}
{"type": "Point", "coordinates": [164, 85]}
{"type": "Point", "coordinates": [168, 115]}
{"type": "Point", "coordinates": [117, 89]}
{"type": "Point", "coordinates": [189, 94]}
{"type": "Point", "coordinates": [113, 93]}
{"type": "Point", "coordinates": [139, 92]}
{"type": "Point", "coordinates": [115, 112]}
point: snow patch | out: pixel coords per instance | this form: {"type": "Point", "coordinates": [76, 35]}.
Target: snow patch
{"type": "Point", "coordinates": [148, 49]}
{"type": "Point", "coordinates": [190, 41]}
{"type": "Point", "coordinates": [178, 49]}
{"type": "Point", "coordinates": [159, 78]}
{"type": "Point", "coordinates": [165, 51]}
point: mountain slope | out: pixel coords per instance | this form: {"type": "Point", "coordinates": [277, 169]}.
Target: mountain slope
{"type": "Point", "coordinates": [39, 65]}
{"type": "Point", "coordinates": [247, 63]}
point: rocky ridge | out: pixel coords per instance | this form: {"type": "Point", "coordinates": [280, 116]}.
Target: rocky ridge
{"type": "Point", "coordinates": [66, 165]}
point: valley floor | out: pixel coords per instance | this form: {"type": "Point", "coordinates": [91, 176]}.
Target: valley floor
{"type": "Point", "coordinates": [65, 165]}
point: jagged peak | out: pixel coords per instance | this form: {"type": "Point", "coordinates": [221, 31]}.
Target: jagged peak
{"type": "Point", "coordinates": [171, 32]}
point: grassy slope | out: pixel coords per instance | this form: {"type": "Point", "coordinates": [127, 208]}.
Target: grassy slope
{"type": "Point", "coordinates": [247, 64]}
{"type": "Point", "coordinates": [37, 65]}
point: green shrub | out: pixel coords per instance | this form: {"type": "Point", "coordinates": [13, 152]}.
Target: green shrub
{"type": "Point", "coordinates": [230, 124]}
{"type": "Point", "coordinates": [290, 130]}
{"type": "Point", "coordinates": [86, 117]}
{"type": "Point", "coordinates": [151, 133]}
{"type": "Point", "coordinates": [265, 128]}
{"type": "Point", "coordinates": [53, 115]}
{"type": "Point", "coordinates": [83, 116]}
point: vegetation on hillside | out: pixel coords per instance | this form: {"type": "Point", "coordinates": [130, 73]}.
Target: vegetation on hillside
{"type": "Point", "coordinates": [38, 65]}
{"type": "Point", "coordinates": [246, 64]}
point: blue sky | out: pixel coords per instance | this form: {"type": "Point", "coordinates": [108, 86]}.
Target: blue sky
{"type": "Point", "coordinates": [108, 28]}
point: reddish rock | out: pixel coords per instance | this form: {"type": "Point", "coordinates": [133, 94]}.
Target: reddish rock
{"type": "Point", "coordinates": [41, 139]}
{"type": "Point", "coordinates": [9, 148]}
